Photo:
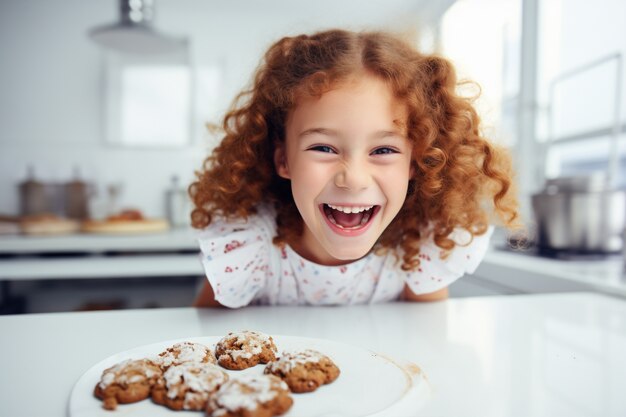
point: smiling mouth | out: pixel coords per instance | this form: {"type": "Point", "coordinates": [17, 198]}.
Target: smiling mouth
{"type": "Point", "coordinates": [350, 218]}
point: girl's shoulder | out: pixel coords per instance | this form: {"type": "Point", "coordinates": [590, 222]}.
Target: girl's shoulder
{"type": "Point", "coordinates": [465, 246]}
{"type": "Point", "coordinates": [237, 256]}
{"type": "Point", "coordinates": [438, 268]}
{"type": "Point", "coordinates": [229, 240]}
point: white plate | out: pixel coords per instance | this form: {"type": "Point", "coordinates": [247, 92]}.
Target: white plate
{"type": "Point", "coordinates": [370, 384]}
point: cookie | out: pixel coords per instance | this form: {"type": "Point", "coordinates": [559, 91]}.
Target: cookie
{"type": "Point", "coordinates": [127, 382]}
{"type": "Point", "coordinates": [245, 349]}
{"type": "Point", "coordinates": [185, 352]}
{"type": "Point", "coordinates": [304, 371]}
{"type": "Point", "coordinates": [250, 396]}
{"type": "Point", "coordinates": [187, 386]}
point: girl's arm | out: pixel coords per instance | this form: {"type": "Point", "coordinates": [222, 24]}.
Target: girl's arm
{"type": "Point", "coordinates": [409, 295]}
{"type": "Point", "coordinates": [206, 297]}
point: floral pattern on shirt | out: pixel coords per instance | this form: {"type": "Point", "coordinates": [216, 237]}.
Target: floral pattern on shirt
{"type": "Point", "coordinates": [243, 266]}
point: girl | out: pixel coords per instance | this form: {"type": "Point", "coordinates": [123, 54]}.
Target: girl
{"type": "Point", "coordinates": [351, 172]}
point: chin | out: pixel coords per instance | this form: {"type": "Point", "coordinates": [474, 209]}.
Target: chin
{"type": "Point", "coordinates": [349, 254]}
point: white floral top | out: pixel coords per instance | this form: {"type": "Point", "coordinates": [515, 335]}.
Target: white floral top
{"type": "Point", "coordinates": [243, 266]}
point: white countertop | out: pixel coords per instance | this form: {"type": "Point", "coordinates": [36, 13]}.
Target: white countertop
{"type": "Point", "coordinates": [526, 355]}
{"type": "Point", "coordinates": [529, 273]}
{"type": "Point", "coordinates": [171, 240]}
{"type": "Point", "coordinates": [142, 255]}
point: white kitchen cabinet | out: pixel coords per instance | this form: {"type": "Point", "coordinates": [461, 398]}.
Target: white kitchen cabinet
{"type": "Point", "coordinates": [65, 273]}
{"type": "Point", "coordinates": [108, 294]}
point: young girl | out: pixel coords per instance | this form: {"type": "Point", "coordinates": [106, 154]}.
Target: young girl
{"type": "Point", "coordinates": [351, 172]}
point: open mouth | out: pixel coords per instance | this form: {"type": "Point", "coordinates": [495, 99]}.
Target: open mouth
{"type": "Point", "coordinates": [350, 218]}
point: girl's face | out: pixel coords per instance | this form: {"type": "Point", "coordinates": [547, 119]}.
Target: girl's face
{"type": "Point", "coordinates": [349, 163]}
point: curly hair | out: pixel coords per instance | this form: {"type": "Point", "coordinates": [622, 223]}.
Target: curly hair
{"type": "Point", "coordinates": [460, 180]}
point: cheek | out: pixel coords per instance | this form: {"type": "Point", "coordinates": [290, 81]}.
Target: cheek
{"type": "Point", "coordinates": [307, 182]}
{"type": "Point", "coordinates": [396, 184]}
{"type": "Point", "coordinates": [310, 175]}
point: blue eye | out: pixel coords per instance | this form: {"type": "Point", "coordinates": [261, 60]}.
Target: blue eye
{"type": "Point", "coordinates": [384, 151]}
{"type": "Point", "coordinates": [322, 148]}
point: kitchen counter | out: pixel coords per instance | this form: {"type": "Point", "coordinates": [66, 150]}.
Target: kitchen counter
{"type": "Point", "coordinates": [166, 254]}
{"type": "Point", "coordinates": [171, 240]}
{"type": "Point", "coordinates": [525, 272]}
{"type": "Point", "coordinates": [526, 355]}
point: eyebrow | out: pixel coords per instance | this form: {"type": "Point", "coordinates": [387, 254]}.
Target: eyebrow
{"type": "Point", "coordinates": [380, 134]}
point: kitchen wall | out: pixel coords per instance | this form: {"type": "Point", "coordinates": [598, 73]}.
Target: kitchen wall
{"type": "Point", "coordinates": [51, 81]}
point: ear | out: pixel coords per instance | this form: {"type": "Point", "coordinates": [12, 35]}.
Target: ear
{"type": "Point", "coordinates": [280, 161]}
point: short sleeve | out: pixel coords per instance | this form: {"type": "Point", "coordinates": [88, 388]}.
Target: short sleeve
{"type": "Point", "coordinates": [235, 256]}
{"type": "Point", "coordinates": [435, 273]}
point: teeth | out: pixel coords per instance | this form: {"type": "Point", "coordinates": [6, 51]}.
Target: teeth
{"type": "Point", "coordinates": [364, 220]}
{"type": "Point", "coordinates": [348, 210]}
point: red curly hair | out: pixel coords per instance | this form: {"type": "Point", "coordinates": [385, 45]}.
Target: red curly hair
{"type": "Point", "coordinates": [460, 180]}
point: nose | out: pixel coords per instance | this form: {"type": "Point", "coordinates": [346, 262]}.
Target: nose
{"type": "Point", "coordinates": [353, 176]}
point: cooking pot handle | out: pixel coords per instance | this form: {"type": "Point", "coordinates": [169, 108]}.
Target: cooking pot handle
{"type": "Point", "coordinates": [613, 166]}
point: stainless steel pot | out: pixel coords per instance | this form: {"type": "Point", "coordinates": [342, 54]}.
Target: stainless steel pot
{"type": "Point", "coordinates": [579, 214]}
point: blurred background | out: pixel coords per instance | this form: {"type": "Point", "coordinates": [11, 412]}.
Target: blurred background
{"type": "Point", "coordinates": [105, 106]}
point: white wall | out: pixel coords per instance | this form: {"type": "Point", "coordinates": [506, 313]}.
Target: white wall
{"type": "Point", "coordinates": [51, 81]}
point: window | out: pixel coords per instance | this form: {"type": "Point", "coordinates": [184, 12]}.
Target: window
{"type": "Point", "coordinates": [147, 99]}
{"type": "Point", "coordinates": [580, 116]}
{"type": "Point", "coordinates": [580, 87]}
{"type": "Point", "coordinates": [158, 101]}
{"type": "Point", "coordinates": [482, 38]}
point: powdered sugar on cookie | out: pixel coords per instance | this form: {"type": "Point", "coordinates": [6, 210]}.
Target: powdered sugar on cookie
{"type": "Point", "coordinates": [250, 392]}
{"type": "Point", "coordinates": [290, 359]}
{"type": "Point", "coordinates": [127, 382]}
{"type": "Point", "coordinates": [240, 350]}
{"type": "Point", "coordinates": [250, 343]}
{"type": "Point", "coordinates": [197, 377]}
{"type": "Point", "coordinates": [185, 352]}
{"type": "Point", "coordinates": [187, 386]}
{"type": "Point", "coordinates": [128, 372]}
{"type": "Point", "coordinates": [247, 392]}
{"type": "Point", "coordinates": [304, 371]}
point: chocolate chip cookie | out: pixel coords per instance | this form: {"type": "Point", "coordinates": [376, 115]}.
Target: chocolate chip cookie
{"type": "Point", "coordinates": [187, 386]}
{"type": "Point", "coordinates": [127, 382]}
{"type": "Point", "coordinates": [250, 396]}
{"type": "Point", "coordinates": [241, 350]}
{"type": "Point", "coordinates": [304, 371]}
{"type": "Point", "coordinates": [185, 352]}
